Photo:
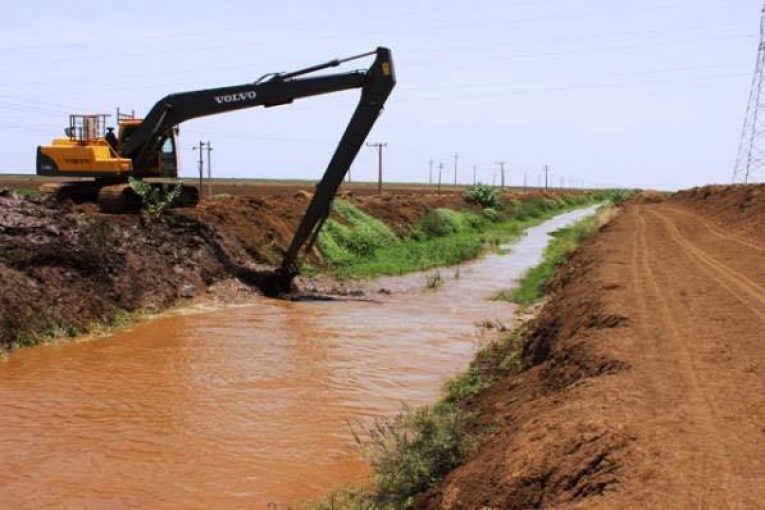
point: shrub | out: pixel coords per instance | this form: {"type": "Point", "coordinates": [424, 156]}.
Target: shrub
{"type": "Point", "coordinates": [155, 199]}
{"type": "Point", "coordinates": [484, 196]}
{"type": "Point", "coordinates": [491, 214]}
{"type": "Point", "coordinates": [415, 449]}
{"type": "Point", "coordinates": [444, 222]}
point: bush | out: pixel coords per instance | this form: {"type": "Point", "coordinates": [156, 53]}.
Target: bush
{"type": "Point", "coordinates": [491, 215]}
{"type": "Point", "coordinates": [444, 222]}
{"type": "Point", "coordinates": [484, 196]}
{"type": "Point", "coordinates": [155, 199]}
{"type": "Point", "coordinates": [416, 449]}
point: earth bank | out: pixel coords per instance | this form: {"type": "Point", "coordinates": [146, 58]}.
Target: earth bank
{"type": "Point", "coordinates": [65, 267]}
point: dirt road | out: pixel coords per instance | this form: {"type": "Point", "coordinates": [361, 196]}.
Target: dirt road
{"type": "Point", "coordinates": [645, 380]}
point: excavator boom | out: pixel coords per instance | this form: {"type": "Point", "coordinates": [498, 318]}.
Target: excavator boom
{"type": "Point", "coordinates": [140, 149]}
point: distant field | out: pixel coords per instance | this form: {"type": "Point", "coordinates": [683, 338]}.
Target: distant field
{"type": "Point", "coordinates": [255, 186]}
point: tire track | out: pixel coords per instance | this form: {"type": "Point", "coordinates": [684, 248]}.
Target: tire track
{"type": "Point", "coordinates": [717, 230]}
{"type": "Point", "coordinates": [735, 283]}
{"type": "Point", "coordinates": [674, 321]}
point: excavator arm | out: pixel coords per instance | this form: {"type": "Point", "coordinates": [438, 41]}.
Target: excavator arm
{"type": "Point", "coordinates": [376, 84]}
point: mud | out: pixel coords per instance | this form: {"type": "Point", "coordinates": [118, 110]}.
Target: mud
{"type": "Point", "coordinates": [641, 381]}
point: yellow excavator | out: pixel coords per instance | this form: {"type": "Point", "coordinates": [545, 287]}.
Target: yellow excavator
{"type": "Point", "coordinates": [146, 148]}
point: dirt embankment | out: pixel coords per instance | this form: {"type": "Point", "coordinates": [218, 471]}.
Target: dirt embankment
{"type": "Point", "coordinates": [65, 266]}
{"type": "Point", "coordinates": [642, 378]}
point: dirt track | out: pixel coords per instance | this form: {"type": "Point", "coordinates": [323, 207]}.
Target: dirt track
{"type": "Point", "coordinates": [645, 373]}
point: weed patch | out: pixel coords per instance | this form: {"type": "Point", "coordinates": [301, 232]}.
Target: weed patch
{"type": "Point", "coordinates": [56, 329]}
{"type": "Point", "coordinates": [27, 192]}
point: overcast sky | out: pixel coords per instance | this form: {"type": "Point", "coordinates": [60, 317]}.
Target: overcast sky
{"type": "Point", "coordinates": [647, 93]}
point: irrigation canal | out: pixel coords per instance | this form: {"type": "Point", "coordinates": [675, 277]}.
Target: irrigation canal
{"type": "Point", "coordinates": [239, 406]}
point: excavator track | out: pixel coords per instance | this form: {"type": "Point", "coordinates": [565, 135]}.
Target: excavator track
{"type": "Point", "coordinates": [78, 192]}
{"type": "Point", "coordinates": [119, 199]}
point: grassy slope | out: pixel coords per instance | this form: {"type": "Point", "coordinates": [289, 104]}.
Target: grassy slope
{"type": "Point", "coordinates": [355, 245]}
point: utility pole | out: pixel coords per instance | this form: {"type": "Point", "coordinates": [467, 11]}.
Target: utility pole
{"type": "Point", "coordinates": [379, 146]}
{"type": "Point", "coordinates": [547, 175]}
{"type": "Point", "coordinates": [501, 174]}
{"type": "Point", "coordinates": [525, 180]}
{"type": "Point", "coordinates": [440, 173]}
{"type": "Point", "coordinates": [456, 157]}
{"type": "Point", "coordinates": [475, 175]}
{"type": "Point", "coordinates": [209, 169]}
{"type": "Point", "coordinates": [201, 161]}
{"type": "Point", "coordinates": [430, 173]}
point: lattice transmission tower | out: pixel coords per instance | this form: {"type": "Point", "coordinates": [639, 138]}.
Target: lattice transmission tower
{"type": "Point", "coordinates": [750, 161]}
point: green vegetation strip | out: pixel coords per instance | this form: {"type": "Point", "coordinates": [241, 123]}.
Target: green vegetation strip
{"type": "Point", "coordinates": [420, 446]}
{"type": "Point", "coordinates": [533, 284]}
{"type": "Point", "coordinates": [356, 245]}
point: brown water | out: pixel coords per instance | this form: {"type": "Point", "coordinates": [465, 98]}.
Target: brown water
{"type": "Point", "coordinates": [236, 407]}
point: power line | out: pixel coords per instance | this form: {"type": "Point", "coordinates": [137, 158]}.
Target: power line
{"type": "Point", "coordinates": [415, 17]}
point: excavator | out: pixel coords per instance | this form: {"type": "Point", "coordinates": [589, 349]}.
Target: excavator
{"type": "Point", "coordinates": [146, 148]}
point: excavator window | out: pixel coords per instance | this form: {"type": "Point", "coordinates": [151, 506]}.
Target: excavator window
{"type": "Point", "coordinates": [168, 147]}
{"type": "Point", "coordinates": [168, 159]}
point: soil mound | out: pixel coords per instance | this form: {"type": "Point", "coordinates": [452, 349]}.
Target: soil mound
{"type": "Point", "coordinates": [739, 208]}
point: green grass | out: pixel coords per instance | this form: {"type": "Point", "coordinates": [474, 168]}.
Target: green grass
{"type": "Point", "coordinates": [353, 236]}
{"type": "Point", "coordinates": [356, 245]}
{"type": "Point", "coordinates": [27, 192]}
{"type": "Point", "coordinates": [533, 284]}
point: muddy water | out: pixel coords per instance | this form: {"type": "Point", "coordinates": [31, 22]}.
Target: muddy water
{"type": "Point", "coordinates": [240, 406]}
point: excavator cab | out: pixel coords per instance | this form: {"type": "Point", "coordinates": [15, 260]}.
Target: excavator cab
{"type": "Point", "coordinates": [165, 164]}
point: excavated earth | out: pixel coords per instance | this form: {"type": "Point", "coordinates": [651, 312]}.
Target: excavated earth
{"type": "Point", "coordinates": [642, 381]}
{"type": "Point", "coordinates": [64, 267]}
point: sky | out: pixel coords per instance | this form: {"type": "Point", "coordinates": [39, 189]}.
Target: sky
{"type": "Point", "coordinates": [647, 93]}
